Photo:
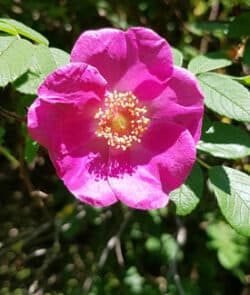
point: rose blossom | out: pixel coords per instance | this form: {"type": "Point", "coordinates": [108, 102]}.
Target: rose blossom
{"type": "Point", "coordinates": [120, 122]}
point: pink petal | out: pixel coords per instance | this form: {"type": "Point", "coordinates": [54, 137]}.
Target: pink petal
{"type": "Point", "coordinates": [176, 161]}
{"type": "Point", "coordinates": [63, 113]}
{"type": "Point", "coordinates": [140, 190]}
{"type": "Point", "coordinates": [84, 174]}
{"type": "Point", "coordinates": [62, 119]}
{"type": "Point", "coordinates": [72, 83]}
{"type": "Point", "coordinates": [129, 61]}
{"type": "Point", "coordinates": [181, 102]}
{"type": "Point", "coordinates": [153, 168]}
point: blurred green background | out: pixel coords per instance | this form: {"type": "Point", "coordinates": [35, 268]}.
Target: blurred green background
{"type": "Point", "coordinates": [52, 244]}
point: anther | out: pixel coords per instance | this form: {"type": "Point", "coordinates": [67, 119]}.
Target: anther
{"type": "Point", "coordinates": [121, 121]}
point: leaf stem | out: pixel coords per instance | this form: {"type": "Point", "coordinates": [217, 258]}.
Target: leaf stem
{"type": "Point", "coordinates": [10, 157]}
{"type": "Point", "coordinates": [11, 115]}
{"type": "Point", "coordinates": [204, 164]}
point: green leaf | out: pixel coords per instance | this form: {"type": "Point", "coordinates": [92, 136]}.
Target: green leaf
{"type": "Point", "coordinates": [177, 56]}
{"type": "Point", "coordinates": [225, 96]}
{"type": "Point", "coordinates": [225, 141]}
{"type": "Point", "coordinates": [61, 57]}
{"type": "Point", "coordinates": [4, 27]}
{"type": "Point", "coordinates": [235, 252]}
{"type": "Point", "coordinates": [209, 62]}
{"type": "Point", "coordinates": [244, 80]}
{"type": "Point", "coordinates": [153, 245]}
{"type": "Point", "coordinates": [5, 42]}
{"type": "Point", "coordinates": [71, 224]}
{"type": "Point", "coordinates": [23, 274]}
{"type": "Point", "coordinates": [216, 28]}
{"type": "Point", "coordinates": [14, 59]}
{"type": "Point", "coordinates": [246, 55]}
{"type": "Point", "coordinates": [231, 188]}
{"type": "Point", "coordinates": [134, 280]}
{"type": "Point", "coordinates": [24, 30]}
{"type": "Point", "coordinates": [31, 146]}
{"type": "Point", "coordinates": [44, 61]}
{"type": "Point", "coordinates": [169, 248]}
{"type": "Point", "coordinates": [187, 197]}
{"type": "Point", "coordinates": [240, 26]}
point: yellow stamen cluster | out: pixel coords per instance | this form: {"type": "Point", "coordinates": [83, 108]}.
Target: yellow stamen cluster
{"type": "Point", "coordinates": [121, 121]}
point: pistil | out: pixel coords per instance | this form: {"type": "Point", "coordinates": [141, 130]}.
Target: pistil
{"type": "Point", "coordinates": [122, 120]}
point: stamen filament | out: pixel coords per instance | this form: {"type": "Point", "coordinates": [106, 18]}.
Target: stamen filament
{"type": "Point", "coordinates": [121, 121]}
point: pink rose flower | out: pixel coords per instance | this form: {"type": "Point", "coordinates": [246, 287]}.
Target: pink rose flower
{"type": "Point", "coordinates": [120, 122]}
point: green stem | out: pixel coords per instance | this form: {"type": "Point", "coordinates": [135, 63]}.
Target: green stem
{"type": "Point", "coordinates": [8, 155]}
{"type": "Point", "coordinates": [204, 164]}
{"type": "Point", "coordinates": [11, 115]}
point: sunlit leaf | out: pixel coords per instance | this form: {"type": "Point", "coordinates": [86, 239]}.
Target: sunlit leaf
{"type": "Point", "coordinates": [209, 62]}
{"type": "Point", "coordinates": [60, 56]}
{"type": "Point", "coordinates": [169, 247]}
{"type": "Point", "coordinates": [134, 280]}
{"type": "Point", "coordinates": [14, 58]}
{"type": "Point", "coordinates": [236, 250]}
{"type": "Point", "coordinates": [231, 188]}
{"type": "Point", "coordinates": [177, 56]}
{"type": "Point", "coordinates": [24, 30]}
{"type": "Point", "coordinates": [44, 61]}
{"type": "Point", "coordinates": [244, 80]}
{"type": "Point", "coordinates": [188, 195]}
{"type": "Point", "coordinates": [225, 96]}
{"type": "Point", "coordinates": [4, 27]}
{"type": "Point", "coordinates": [153, 244]}
{"type": "Point", "coordinates": [225, 141]}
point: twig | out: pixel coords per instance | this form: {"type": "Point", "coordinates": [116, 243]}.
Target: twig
{"type": "Point", "coordinates": [212, 17]}
{"type": "Point", "coordinates": [53, 252]}
{"type": "Point", "coordinates": [203, 163]}
{"type": "Point", "coordinates": [118, 251]}
{"type": "Point", "coordinates": [112, 243]}
{"type": "Point", "coordinates": [23, 170]}
{"type": "Point", "coordinates": [11, 115]}
{"type": "Point", "coordinates": [173, 270]}
{"type": "Point", "coordinates": [26, 237]}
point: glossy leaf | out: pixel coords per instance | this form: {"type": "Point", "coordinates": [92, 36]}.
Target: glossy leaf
{"type": "Point", "coordinates": [225, 141]}
{"type": "Point", "coordinates": [24, 30]}
{"type": "Point", "coordinates": [225, 96]}
{"type": "Point", "coordinates": [231, 188]}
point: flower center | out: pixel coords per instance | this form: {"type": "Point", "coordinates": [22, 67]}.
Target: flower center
{"type": "Point", "coordinates": [121, 121]}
